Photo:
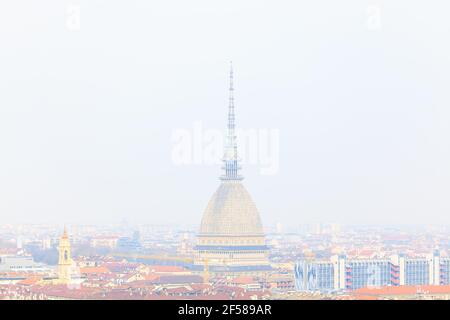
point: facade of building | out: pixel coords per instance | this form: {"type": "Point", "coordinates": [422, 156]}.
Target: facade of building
{"type": "Point", "coordinates": [444, 277]}
{"type": "Point", "coordinates": [367, 273]}
{"type": "Point", "coordinates": [314, 276]}
{"type": "Point", "coordinates": [417, 271]}
{"type": "Point", "coordinates": [341, 273]}
{"type": "Point", "coordinates": [104, 242]}
{"type": "Point", "coordinates": [231, 237]}
{"type": "Point", "coordinates": [18, 263]}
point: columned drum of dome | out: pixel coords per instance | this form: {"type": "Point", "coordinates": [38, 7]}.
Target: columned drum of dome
{"type": "Point", "coordinates": [231, 237]}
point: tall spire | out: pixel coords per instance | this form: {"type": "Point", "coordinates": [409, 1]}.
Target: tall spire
{"type": "Point", "coordinates": [230, 158]}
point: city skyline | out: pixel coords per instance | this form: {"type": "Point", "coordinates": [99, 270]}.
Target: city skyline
{"type": "Point", "coordinates": [241, 152]}
{"type": "Point", "coordinates": [329, 262]}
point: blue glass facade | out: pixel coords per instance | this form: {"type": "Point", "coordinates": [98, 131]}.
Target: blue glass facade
{"type": "Point", "coordinates": [341, 273]}
{"type": "Point", "coordinates": [314, 276]}
{"type": "Point", "coordinates": [445, 272]}
{"type": "Point", "coordinates": [366, 273]}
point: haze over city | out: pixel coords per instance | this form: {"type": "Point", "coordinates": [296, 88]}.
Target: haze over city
{"type": "Point", "coordinates": [237, 154]}
{"type": "Point", "coordinates": [359, 97]}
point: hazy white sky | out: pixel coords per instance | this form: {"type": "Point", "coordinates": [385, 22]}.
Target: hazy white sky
{"type": "Point", "coordinates": [359, 91]}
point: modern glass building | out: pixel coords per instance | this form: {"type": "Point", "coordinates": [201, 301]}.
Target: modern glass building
{"type": "Point", "coordinates": [445, 271]}
{"type": "Point", "coordinates": [314, 276]}
{"type": "Point", "coordinates": [417, 271]}
{"type": "Point", "coordinates": [341, 273]}
{"type": "Point", "coordinates": [367, 273]}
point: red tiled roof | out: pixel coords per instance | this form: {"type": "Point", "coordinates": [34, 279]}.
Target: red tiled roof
{"type": "Point", "coordinates": [167, 269]}
{"type": "Point", "coordinates": [365, 297]}
{"type": "Point", "coordinates": [30, 281]}
{"type": "Point", "coordinates": [243, 280]}
{"type": "Point", "coordinates": [200, 286]}
{"type": "Point", "coordinates": [151, 277]}
{"type": "Point", "coordinates": [62, 291]}
{"type": "Point", "coordinates": [101, 269]}
{"type": "Point", "coordinates": [366, 253]}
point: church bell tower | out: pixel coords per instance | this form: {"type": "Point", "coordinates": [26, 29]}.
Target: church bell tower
{"type": "Point", "coordinates": [65, 259]}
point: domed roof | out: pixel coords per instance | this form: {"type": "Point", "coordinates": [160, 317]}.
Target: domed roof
{"type": "Point", "coordinates": [231, 211]}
